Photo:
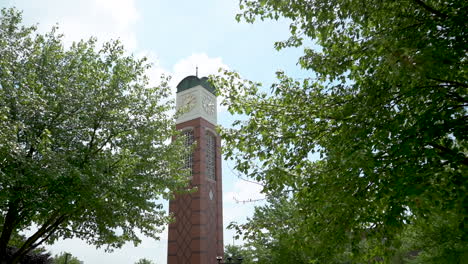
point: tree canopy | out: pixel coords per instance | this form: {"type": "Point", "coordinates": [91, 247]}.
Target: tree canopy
{"type": "Point", "coordinates": [84, 141]}
{"type": "Point", "coordinates": [144, 261]}
{"type": "Point", "coordinates": [66, 258]}
{"type": "Point", "coordinates": [235, 252]}
{"type": "Point", "coordinates": [373, 146]}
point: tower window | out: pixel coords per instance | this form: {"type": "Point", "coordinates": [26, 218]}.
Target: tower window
{"type": "Point", "coordinates": [210, 156]}
{"type": "Point", "coordinates": [189, 139]}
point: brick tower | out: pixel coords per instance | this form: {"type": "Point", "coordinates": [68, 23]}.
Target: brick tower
{"type": "Point", "coordinates": [196, 236]}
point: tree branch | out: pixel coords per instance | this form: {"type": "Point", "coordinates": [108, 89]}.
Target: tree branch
{"type": "Point", "coordinates": [448, 151]}
{"type": "Point", "coordinates": [47, 228]}
{"type": "Point", "coordinates": [451, 82]}
{"type": "Point", "coordinates": [430, 9]}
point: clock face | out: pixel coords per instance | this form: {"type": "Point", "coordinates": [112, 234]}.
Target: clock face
{"type": "Point", "coordinates": [208, 105]}
{"type": "Point", "coordinates": [189, 102]}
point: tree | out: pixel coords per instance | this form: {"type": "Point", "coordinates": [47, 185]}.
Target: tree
{"type": "Point", "coordinates": [144, 261]}
{"type": "Point", "coordinates": [273, 235]}
{"type": "Point", "coordinates": [66, 258]}
{"type": "Point", "coordinates": [84, 146]}
{"type": "Point", "coordinates": [232, 251]}
{"type": "Point", "coordinates": [373, 143]}
{"type": "Point", "coordinates": [235, 252]}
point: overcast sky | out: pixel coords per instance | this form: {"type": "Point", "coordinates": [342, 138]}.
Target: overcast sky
{"type": "Point", "coordinates": [177, 36]}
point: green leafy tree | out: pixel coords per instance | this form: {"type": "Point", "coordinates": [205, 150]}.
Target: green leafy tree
{"type": "Point", "coordinates": [373, 143]}
{"type": "Point", "coordinates": [83, 142]}
{"type": "Point", "coordinates": [234, 252]}
{"type": "Point", "coordinates": [66, 258]}
{"type": "Point", "coordinates": [144, 261]}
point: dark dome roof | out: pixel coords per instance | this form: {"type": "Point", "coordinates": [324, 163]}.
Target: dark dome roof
{"type": "Point", "coordinates": [192, 81]}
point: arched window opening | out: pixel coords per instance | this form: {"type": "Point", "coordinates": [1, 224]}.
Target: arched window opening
{"type": "Point", "coordinates": [189, 139]}
{"type": "Point", "coordinates": [210, 156]}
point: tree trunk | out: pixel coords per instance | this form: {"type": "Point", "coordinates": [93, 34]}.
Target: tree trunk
{"type": "Point", "coordinates": [8, 227]}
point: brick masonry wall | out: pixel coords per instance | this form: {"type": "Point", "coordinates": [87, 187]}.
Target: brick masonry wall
{"type": "Point", "coordinates": [196, 236]}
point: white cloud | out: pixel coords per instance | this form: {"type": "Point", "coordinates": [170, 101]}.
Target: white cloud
{"type": "Point", "coordinates": [244, 192]}
{"type": "Point", "coordinates": [156, 71]}
{"type": "Point", "coordinates": [122, 12]}
{"type": "Point", "coordinates": [104, 19]}
{"type": "Point", "coordinates": [238, 204]}
{"type": "Point", "coordinates": [240, 201]}
{"type": "Point", "coordinates": [206, 66]}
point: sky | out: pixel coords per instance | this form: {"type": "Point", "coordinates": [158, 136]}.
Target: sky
{"type": "Point", "coordinates": [177, 36]}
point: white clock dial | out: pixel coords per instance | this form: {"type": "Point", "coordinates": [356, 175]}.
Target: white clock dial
{"type": "Point", "coordinates": [208, 105]}
{"type": "Point", "coordinates": [189, 102]}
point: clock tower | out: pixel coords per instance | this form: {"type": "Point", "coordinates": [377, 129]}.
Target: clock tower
{"type": "Point", "coordinates": [196, 235]}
